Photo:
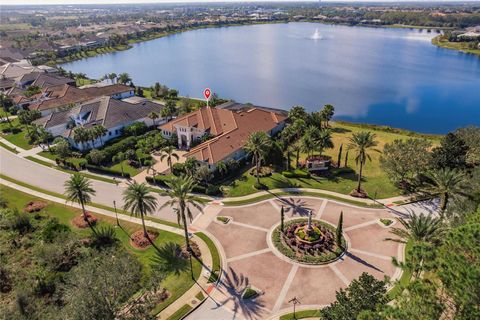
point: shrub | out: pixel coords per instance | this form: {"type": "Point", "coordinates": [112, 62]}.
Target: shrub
{"type": "Point", "coordinates": [20, 222]}
{"type": "Point", "coordinates": [260, 186]}
{"type": "Point", "coordinates": [110, 151]}
{"type": "Point", "coordinates": [5, 280]}
{"type": "Point", "coordinates": [264, 172]}
{"type": "Point", "coordinates": [104, 237]}
{"type": "Point", "coordinates": [135, 129]}
{"type": "Point", "coordinates": [108, 171]}
{"type": "Point", "coordinates": [12, 130]}
{"type": "Point", "coordinates": [178, 169]}
{"type": "Point", "coordinates": [213, 190]}
{"type": "Point", "coordinates": [45, 284]}
{"type": "Point", "coordinates": [249, 293]}
{"type": "Point", "coordinates": [97, 157]}
{"type": "Point", "coordinates": [52, 229]}
{"type": "Point", "coordinates": [225, 220]}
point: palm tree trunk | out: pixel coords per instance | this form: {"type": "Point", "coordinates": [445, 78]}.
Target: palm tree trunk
{"type": "Point", "coordinates": [443, 201]}
{"type": "Point", "coordinates": [121, 168]}
{"type": "Point", "coordinates": [360, 177]}
{"type": "Point", "coordinates": [288, 160]}
{"type": "Point", "coordinates": [185, 230]}
{"type": "Point", "coordinates": [145, 233]}
{"type": "Point", "coordinates": [257, 159]}
{"type": "Point", "coordinates": [84, 214]}
{"type": "Point", "coordinates": [298, 157]}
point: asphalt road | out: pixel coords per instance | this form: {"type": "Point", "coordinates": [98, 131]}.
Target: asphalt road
{"type": "Point", "coordinates": [50, 179]}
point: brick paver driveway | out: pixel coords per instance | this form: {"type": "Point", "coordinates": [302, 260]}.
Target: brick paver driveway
{"type": "Point", "coordinates": [252, 260]}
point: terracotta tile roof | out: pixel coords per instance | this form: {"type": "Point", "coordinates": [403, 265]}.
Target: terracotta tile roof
{"type": "Point", "coordinates": [63, 95]}
{"type": "Point", "coordinates": [234, 139]}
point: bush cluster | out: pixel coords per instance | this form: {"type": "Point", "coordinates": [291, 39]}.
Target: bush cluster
{"type": "Point", "coordinates": [108, 171]}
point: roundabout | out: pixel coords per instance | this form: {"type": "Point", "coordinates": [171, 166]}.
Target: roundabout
{"type": "Point", "coordinates": [298, 261]}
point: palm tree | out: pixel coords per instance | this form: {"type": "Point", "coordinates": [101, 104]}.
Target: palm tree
{"type": "Point", "coordinates": [308, 144]}
{"type": "Point", "coordinates": [124, 78]}
{"type": "Point", "coordinates": [181, 198]}
{"type": "Point", "coordinates": [168, 153]}
{"type": "Point", "coordinates": [78, 189]}
{"type": "Point", "coordinates": [257, 145]}
{"type": "Point", "coordinates": [448, 184]}
{"type": "Point", "coordinates": [139, 200]}
{"type": "Point", "coordinates": [361, 142]}
{"type": "Point", "coordinates": [169, 109]}
{"type": "Point", "coordinates": [44, 137]}
{"type": "Point", "coordinates": [99, 132]}
{"type": "Point", "coordinates": [324, 140]}
{"type": "Point", "coordinates": [80, 135]}
{"type": "Point", "coordinates": [112, 76]}
{"type": "Point", "coordinates": [153, 115]}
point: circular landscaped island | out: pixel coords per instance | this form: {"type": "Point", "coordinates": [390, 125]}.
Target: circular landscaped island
{"type": "Point", "coordinates": [308, 241]}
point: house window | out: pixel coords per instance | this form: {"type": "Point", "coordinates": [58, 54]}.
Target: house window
{"type": "Point", "coordinates": [109, 133]}
{"type": "Point", "coordinates": [116, 131]}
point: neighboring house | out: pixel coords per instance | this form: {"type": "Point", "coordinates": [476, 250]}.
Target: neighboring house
{"type": "Point", "coordinates": [111, 113]}
{"type": "Point", "coordinates": [230, 130]}
{"type": "Point", "coordinates": [57, 98]}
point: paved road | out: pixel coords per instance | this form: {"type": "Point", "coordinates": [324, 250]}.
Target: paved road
{"type": "Point", "coordinates": [50, 179]}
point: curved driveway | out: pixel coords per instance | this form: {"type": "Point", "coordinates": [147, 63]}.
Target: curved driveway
{"type": "Point", "coordinates": [50, 179]}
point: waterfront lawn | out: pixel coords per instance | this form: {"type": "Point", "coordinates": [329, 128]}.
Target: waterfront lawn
{"type": "Point", "coordinates": [375, 181]}
{"type": "Point", "coordinates": [175, 284]}
{"type": "Point", "coordinates": [460, 46]}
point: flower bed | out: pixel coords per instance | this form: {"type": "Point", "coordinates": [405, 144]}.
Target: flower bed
{"type": "Point", "coordinates": [80, 222]}
{"type": "Point", "coordinates": [264, 172]}
{"type": "Point", "coordinates": [310, 249]}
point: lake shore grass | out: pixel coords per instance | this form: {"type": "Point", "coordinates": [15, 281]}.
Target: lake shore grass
{"type": "Point", "coordinates": [459, 46]}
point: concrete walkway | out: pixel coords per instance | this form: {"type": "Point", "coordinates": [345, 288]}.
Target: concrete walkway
{"type": "Point", "coordinates": [188, 297]}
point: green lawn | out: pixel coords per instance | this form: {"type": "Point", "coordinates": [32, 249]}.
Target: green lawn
{"type": "Point", "coordinates": [301, 315]}
{"type": "Point", "coordinates": [126, 168]}
{"type": "Point", "coordinates": [460, 46]}
{"type": "Point", "coordinates": [17, 139]}
{"type": "Point", "coordinates": [3, 145]}
{"type": "Point", "coordinates": [375, 181]}
{"type": "Point", "coordinates": [52, 156]}
{"type": "Point", "coordinates": [175, 284]}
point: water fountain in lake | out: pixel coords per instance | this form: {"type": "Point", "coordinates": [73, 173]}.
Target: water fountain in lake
{"type": "Point", "coordinates": [316, 35]}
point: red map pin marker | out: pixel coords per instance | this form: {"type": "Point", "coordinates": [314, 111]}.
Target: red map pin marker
{"type": "Point", "coordinates": [207, 93]}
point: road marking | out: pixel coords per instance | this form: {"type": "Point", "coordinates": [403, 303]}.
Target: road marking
{"type": "Point", "coordinates": [380, 256]}
{"type": "Point", "coordinates": [248, 255]}
{"type": "Point", "coordinates": [286, 286]}
{"type": "Point", "coordinates": [249, 226]}
{"type": "Point", "coordinates": [361, 225]}
{"type": "Point", "coordinates": [339, 274]}
{"type": "Point", "coordinates": [322, 208]}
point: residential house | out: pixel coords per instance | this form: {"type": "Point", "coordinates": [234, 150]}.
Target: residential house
{"type": "Point", "coordinates": [229, 128]}
{"type": "Point", "coordinates": [111, 113]}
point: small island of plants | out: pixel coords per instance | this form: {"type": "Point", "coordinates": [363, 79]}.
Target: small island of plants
{"type": "Point", "coordinates": [309, 241]}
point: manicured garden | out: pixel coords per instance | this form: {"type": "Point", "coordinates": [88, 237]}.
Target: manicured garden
{"type": "Point", "coordinates": [176, 284]}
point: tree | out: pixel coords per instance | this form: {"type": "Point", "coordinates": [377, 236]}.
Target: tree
{"type": "Point", "coordinates": [190, 166]}
{"type": "Point", "coordinates": [327, 113]}
{"type": "Point", "coordinates": [257, 145]}
{"type": "Point", "coordinates": [308, 143]}
{"type": "Point", "coordinates": [339, 230]}
{"type": "Point", "coordinates": [203, 175]}
{"type": "Point", "coordinates": [363, 294]}
{"type": "Point", "coordinates": [99, 287]}
{"type": "Point", "coordinates": [169, 154]}
{"type": "Point", "coordinates": [448, 184]}
{"type": "Point", "coordinates": [119, 158]}
{"type": "Point", "coordinates": [26, 117]}
{"type": "Point", "coordinates": [112, 76]}
{"type": "Point", "coordinates": [169, 109]}
{"type": "Point", "coordinates": [361, 142]}
{"type": "Point", "coordinates": [297, 113]}
{"type": "Point", "coordinates": [139, 200]}
{"type": "Point", "coordinates": [79, 189]}
{"type": "Point", "coordinates": [124, 78]}
{"type": "Point", "coordinates": [99, 131]}
{"type": "Point", "coordinates": [298, 127]}
{"type": "Point", "coordinates": [282, 219]}
{"type": "Point", "coordinates": [339, 158]}
{"type": "Point", "coordinates": [324, 141]}
{"type": "Point", "coordinates": [404, 160]}
{"type": "Point", "coordinates": [471, 137]}
{"type": "Point", "coordinates": [153, 115]}
{"type": "Point", "coordinates": [44, 137]}
{"type": "Point", "coordinates": [80, 135]}
{"type": "Point", "coordinates": [222, 168]}
{"type": "Point", "coordinates": [96, 156]}
{"type": "Point", "coordinates": [346, 159]}
{"type": "Point", "coordinates": [62, 148]}
{"type": "Point", "coordinates": [181, 198]}
{"type": "Point", "coordinates": [451, 153]}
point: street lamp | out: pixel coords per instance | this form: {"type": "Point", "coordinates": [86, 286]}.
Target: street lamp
{"type": "Point", "coordinates": [295, 301]}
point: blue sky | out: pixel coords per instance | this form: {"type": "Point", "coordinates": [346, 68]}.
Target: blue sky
{"type": "Point", "coordinates": [43, 2]}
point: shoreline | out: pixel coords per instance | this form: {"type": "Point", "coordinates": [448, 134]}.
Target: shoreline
{"type": "Point", "coordinates": [162, 34]}
{"type": "Point", "coordinates": [457, 46]}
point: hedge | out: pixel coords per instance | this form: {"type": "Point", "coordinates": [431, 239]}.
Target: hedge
{"type": "Point", "coordinates": [110, 151]}
{"type": "Point", "coordinates": [108, 171]}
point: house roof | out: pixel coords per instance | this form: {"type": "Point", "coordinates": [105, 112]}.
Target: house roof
{"type": "Point", "coordinates": [46, 80]}
{"type": "Point", "coordinates": [104, 111]}
{"type": "Point", "coordinates": [63, 95]}
{"type": "Point", "coordinates": [241, 125]}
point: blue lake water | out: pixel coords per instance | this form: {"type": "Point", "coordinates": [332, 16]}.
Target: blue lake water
{"type": "Point", "coordinates": [384, 76]}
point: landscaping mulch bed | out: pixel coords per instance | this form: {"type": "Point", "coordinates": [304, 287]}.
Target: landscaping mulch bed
{"type": "Point", "coordinates": [195, 249]}
{"type": "Point", "coordinates": [138, 241]}
{"type": "Point", "coordinates": [81, 223]}
{"type": "Point", "coordinates": [362, 194]}
{"type": "Point", "coordinates": [34, 206]}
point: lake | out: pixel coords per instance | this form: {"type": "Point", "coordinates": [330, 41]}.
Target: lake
{"type": "Point", "coordinates": [393, 77]}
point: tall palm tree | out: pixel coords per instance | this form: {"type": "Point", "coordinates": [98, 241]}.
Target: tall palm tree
{"type": "Point", "coordinates": [80, 135]}
{"type": "Point", "coordinates": [168, 153]}
{"type": "Point", "coordinates": [448, 184]}
{"type": "Point", "coordinates": [324, 140]}
{"type": "Point", "coordinates": [257, 145]}
{"type": "Point", "coordinates": [181, 199]}
{"type": "Point", "coordinates": [79, 189]}
{"type": "Point", "coordinates": [153, 115]}
{"type": "Point", "coordinates": [100, 131]}
{"type": "Point", "coordinates": [362, 142]}
{"type": "Point", "coordinates": [124, 78]}
{"type": "Point", "coordinates": [418, 228]}
{"type": "Point", "coordinates": [222, 168]}
{"type": "Point", "coordinates": [308, 144]}
{"type": "Point", "coordinates": [112, 76]}
{"type": "Point", "coordinates": [139, 200]}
